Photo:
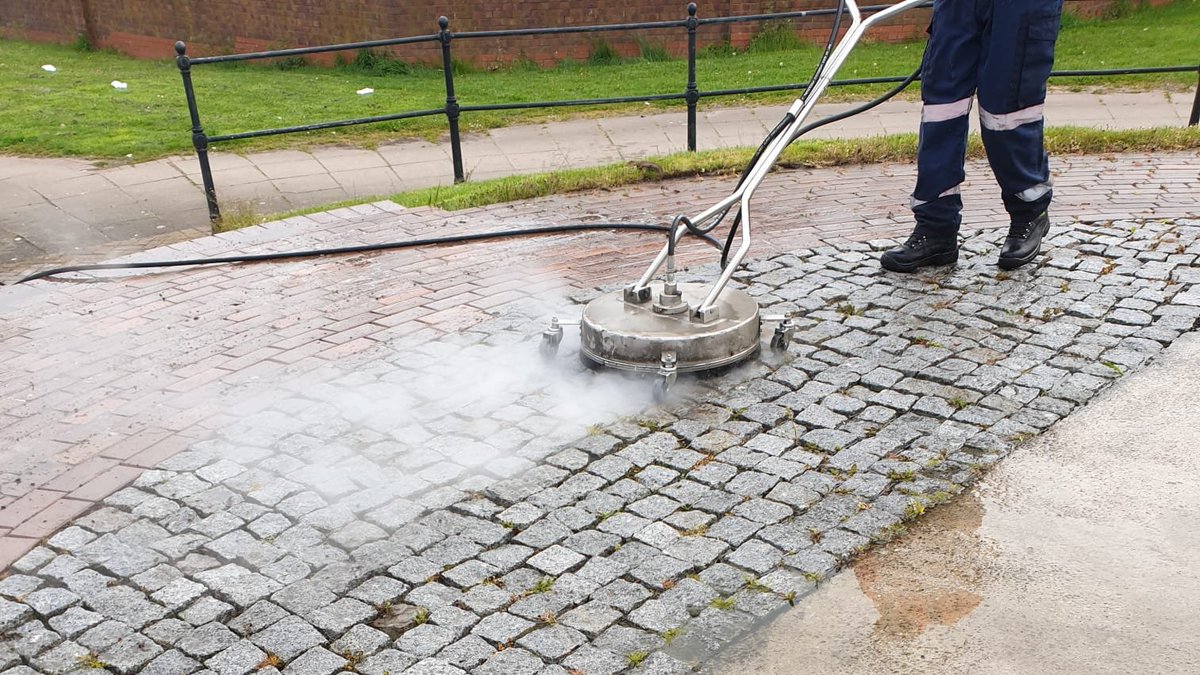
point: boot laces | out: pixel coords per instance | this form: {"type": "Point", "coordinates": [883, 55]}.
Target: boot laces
{"type": "Point", "coordinates": [1020, 230]}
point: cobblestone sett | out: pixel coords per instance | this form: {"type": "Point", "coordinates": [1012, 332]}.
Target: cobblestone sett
{"type": "Point", "coordinates": [386, 661]}
{"type": "Point", "coordinates": [501, 628]}
{"type": "Point", "coordinates": [130, 654]}
{"type": "Point", "coordinates": [237, 659]}
{"type": "Point", "coordinates": [553, 642]}
{"type": "Point", "coordinates": [316, 661]}
{"type": "Point", "coordinates": [425, 640]}
{"type": "Point", "coordinates": [173, 662]}
{"type": "Point", "coordinates": [288, 638]}
{"type": "Point", "coordinates": [513, 660]}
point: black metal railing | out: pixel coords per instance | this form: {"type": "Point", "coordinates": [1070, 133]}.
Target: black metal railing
{"type": "Point", "coordinates": [691, 94]}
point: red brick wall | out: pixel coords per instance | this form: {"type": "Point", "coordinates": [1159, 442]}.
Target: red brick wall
{"type": "Point", "coordinates": [149, 28]}
{"type": "Point", "coordinates": [42, 20]}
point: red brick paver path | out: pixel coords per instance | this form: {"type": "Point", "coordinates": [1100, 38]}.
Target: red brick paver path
{"type": "Point", "coordinates": [100, 380]}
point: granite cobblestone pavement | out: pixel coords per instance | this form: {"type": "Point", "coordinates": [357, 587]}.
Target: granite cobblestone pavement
{"type": "Point", "coordinates": [360, 462]}
{"type": "Point", "coordinates": [61, 211]}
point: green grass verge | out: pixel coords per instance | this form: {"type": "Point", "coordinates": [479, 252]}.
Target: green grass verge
{"type": "Point", "coordinates": [75, 111]}
{"type": "Point", "coordinates": [898, 148]}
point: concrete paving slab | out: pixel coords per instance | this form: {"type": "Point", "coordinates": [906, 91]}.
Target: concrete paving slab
{"type": "Point", "coordinates": [528, 138]}
{"type": "Point", "coordinates": [111, 206]}
{"type": "Point", "coordinates": [1183, 104]}
{"type": "Point", "coordinates": [426, 173]}
{"type": "Point", "coordinates": [302, 184]}
{"type": "Point", "coordinates": [31, 172]}
{"type": "Point", "coordinates": [50, 229]}
{"type": "Point", "coordinates": [78, 186]}
{"type": "Point", "coordinates": [632, 130]}
{"type": "Point", "coordinates": [13, 195]}
{"type": "Point", "coordinates": [266, 198]}
{"type": "Point", "coordinates": [237, 176]}
{"type": "Point", "coordinates": [336, 159]}
{"type": "Point", "coordinates": [898, 123]}
{"type": "Point", "coordinates": [219, 161]}
{"type": "Point", "coordinates": [301, 167]}
{"type": "Point", "coordinates": [375, 180]}
{"type": "Point", "coordinates": [166, 197]}
{"type": "Point", "coordinates": [19, 247]}
{"type": "Point", "coordinates": [145, 172]}
{"type": "Point", "coordinates": [536, 162]}
{"type": "Point", "coordinates": [406, 153]}
{"type": "Point", "coordinates": [280, 156]}
{"type": "Point", "coordinates": [488, 166]}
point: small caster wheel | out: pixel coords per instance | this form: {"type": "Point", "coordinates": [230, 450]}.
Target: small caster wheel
{"type": "Point", "coordinates": [662, 388]}
{"type": "Point", "coordinates": [549, 347]}
{"type": "Point", "coordinates": [666, 376]}
{"type": "Point", "coordinates": [782, 338]}
{"type": "Point", "coordinates": [551, 338]}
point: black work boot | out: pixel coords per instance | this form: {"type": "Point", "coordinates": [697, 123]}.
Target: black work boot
{"type": "Point", "coordinates": [1024, 241]}
{"type": "Point", "coordinates": [921, 250]}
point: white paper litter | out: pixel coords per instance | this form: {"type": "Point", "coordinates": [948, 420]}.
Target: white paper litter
{"type": "Point", "coordinates": [117, 84]}
{"type": "Point", "coordinates": [364, 92]}
{"type": "Point", "coordinates": [49, 68]}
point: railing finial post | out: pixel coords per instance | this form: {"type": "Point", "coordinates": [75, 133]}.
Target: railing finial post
{"type": "Point", "coordinates": [692, 93]}
{"type": "Point", "coordinates": [452, 109]}
{"type": "Point", "coordinates": [199, 138]}
{"type": "Point", "coordinates": [1195, 118]}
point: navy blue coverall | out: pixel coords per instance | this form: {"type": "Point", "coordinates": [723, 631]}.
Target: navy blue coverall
{"type": "Point", "coordinates": [1001, 51]}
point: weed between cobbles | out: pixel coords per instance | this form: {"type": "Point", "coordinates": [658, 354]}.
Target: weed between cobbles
{"type": "Point", "coordinates": [753, 584]}
{"type": "Point", "coordinates": [723, 604]}
{"type": "Point", "coordinates": [91, 661]}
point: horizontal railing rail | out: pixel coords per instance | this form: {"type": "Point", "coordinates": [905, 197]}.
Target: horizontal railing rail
{"type": "Point", "coordinates": [453, 110]}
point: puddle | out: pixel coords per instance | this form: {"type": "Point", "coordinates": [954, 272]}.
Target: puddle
{"type": "Point", "coordinates": [898, 579]}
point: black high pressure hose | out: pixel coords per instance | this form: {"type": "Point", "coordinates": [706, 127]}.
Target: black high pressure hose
{"type": "Point", "coordinates": [703, 233]}
{"type": "Point", "coordinates": [363, 248]}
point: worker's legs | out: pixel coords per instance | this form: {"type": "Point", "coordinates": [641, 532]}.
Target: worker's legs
{"type": "Point", "coordinates": [949, 74]}
{"type": "Point", "coordinates": [949, 77]}
{"type": "Point", "coordinates": [1016, 62]}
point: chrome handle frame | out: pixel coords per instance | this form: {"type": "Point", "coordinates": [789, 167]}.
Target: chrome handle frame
{"type": "Point", "coordinates": [801, 108]}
